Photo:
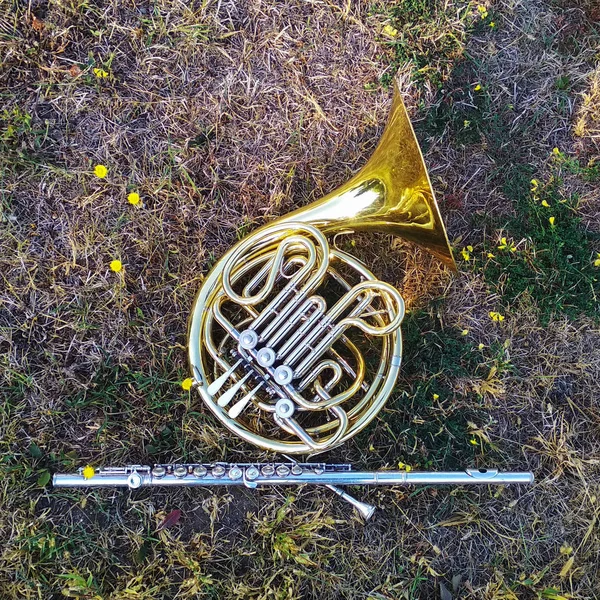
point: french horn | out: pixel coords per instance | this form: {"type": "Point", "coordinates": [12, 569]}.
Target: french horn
{"type": "Point", "coordinates": [294, 344]}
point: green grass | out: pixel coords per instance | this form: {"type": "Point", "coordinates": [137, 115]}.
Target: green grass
{"type": "Point", "coordinates": [434, 359]}
{"type": "Point", "coordinates": [553, 263]}
{"type": "Point", "coordinates": [427, 34]}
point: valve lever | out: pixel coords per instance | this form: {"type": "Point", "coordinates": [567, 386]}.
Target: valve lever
{"type": "Point", "coordinates": [238, 407]}
{"type": "Point", "coordinates": [218, 383]}
{"type": "Point", "coordinates": [227, 396]}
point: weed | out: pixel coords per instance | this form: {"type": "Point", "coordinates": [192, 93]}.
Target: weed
{"type": "Point", "coordinates": [427, 34]}
{"type": "Point", "coordinates": [553, 263]}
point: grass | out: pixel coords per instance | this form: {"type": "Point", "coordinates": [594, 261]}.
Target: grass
{"type": "Point", "coordinates": [555, 263]}
{"type": "Point", "coordinates": [223, 116]}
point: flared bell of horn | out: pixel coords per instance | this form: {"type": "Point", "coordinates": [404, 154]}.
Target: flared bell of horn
{"type": "Point", "coordinates": [392, 193]}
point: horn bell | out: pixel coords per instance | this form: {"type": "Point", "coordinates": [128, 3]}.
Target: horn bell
{"type": "Point", "coordinates": [392, 193]}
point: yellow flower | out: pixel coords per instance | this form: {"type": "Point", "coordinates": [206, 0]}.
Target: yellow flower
{"type": "Point", "coordinates": [116, 266]}
{"type": "Point", "coordinates": [551, 220]}
{"type": "Point", "coordinates": [545, 204]}
{"type": "Point", "coordinates": [492, 24]}
{"type": "Point", "coordinates": [496, 316]}
{"type": "Point", "coordinates": [436, 396]}
{"type": "Point", "coordinates": [470, 248]}
{"type": "Point", "coordinates": [465, 254]}
{"type": "Point", "coordinates": [186, 384]}
{"type": "Point", "coordinates": [482, 11]}
{"type": "Point", "coordinates": [556, 151]}
{"type": "Point", "coordinates": [133, 198]}
{"type": "Point", "coordinates": [464, 332]}
{"type": "Point", "coordinates": [490, 255]}
{"type": "Point", "coordinates": [466, 123]}
{"type": "Point", "coordinates": [477, 87]}
{"type": "Point", "coordinates": [597, 261]}
{"type": "Point", "coordinates": [505, 245]}
{"type": "Point", "coordinates": [100, 73]}
{"type": "Point", "coordinates": [534, 185]}
{"type": "Point", "coordinates": [88, 472]}
{"type": "Point", "coordinates": [390, 31]}
{"type": "Point", "coordinates": [473, 441]}
{"type": "Point", "coordinates": [566, 548]}
{"type": "Point", "coordinates": [100, 171]}
{"type": "Point", "coordinates": [481, 346]}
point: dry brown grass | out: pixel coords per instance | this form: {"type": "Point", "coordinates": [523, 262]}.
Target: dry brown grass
{"type": "Point", "coordinates": [224, 114]}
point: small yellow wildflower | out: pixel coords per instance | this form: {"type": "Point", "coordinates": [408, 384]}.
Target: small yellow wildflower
{"type": "Point", "coordinates": [566, 549]}
{"type": "Point", "coordinates": [490, 255]}
{"type": "Point", "coordinates": [100, 73]}
{"type": "Point", "coordinates": [390, 31]}
{"type": "Point", "coordinates": [133, 198]}
{"type": "Point", "coordinates": [116, 266]}
{"type": "Point", "coordinates": [477, 87]}
{"type": "Point", "coordinates": [88, 472]}
{"type": "Point", "coordinates": [534, 184]}
{"type": "Point", "coordinates": [481, 346]}
{"type": "Point", "coordinates": [551, 220]}
{"type": "Point", "coordinates": [466, 123]}
{"type": "Point", "coordinates": [597, 261]}
{"type": "Point", "coordinates": [556, 151]}
{"type": "Point", "coordinates": [473, 441]}
{"type": "Point", "coordinates": [481, 8]}
{"type": "Point", "coordinates": [186, 384]}
{"type": "Point", "coordinates": [492, 24]}
{"type": "Point", "coordinates": [505, 245]}
{"type": "Point", "coordinates": [464, 332]}
{"type": "Point", "coordinates": [100, 171]}
{"type": "Point", "coordinates": [465, 254]}
{"type": "Point", "coordinates": [545, 204]}
{"type": "Point", "coordinates": [436, 396]}
{"type": "Point", "coordinates": [496, 316]}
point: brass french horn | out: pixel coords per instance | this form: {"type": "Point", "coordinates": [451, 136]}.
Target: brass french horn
{"type": "Point", "coordinates": [294, 344]}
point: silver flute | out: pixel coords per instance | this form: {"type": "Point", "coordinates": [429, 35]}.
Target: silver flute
{"type": "Point", "coordinates": [252, 475]}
